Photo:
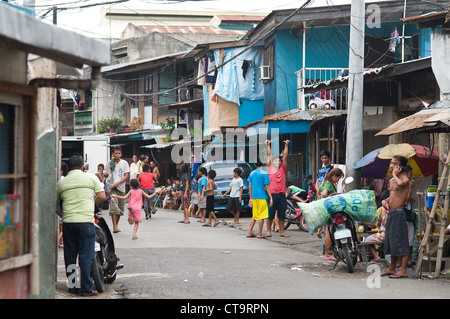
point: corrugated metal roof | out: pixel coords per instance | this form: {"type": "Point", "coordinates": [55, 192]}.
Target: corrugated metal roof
{"type": "Point", "coordinates": [425, 17]}
{"type": "Point", "coordinates": [299, 115]}
{"type": "Point", "coordinates": [189, 29]}
{"type": "Point", "coordinates": [236, 18]}
{"type": "Point", "coordinates": [425, 118]}
{"type": "Point", "coordinates": [142, 61]}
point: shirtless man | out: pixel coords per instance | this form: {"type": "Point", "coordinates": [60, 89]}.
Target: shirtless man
{"type": "Point", "coordinates": [396, 236]}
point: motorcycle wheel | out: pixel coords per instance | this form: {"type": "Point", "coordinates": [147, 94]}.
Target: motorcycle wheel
{"type": "Point", "coordinates": [96, 273]}
{"type": "Point", "coordinates": [286, 226]}
{"type": "Point", "coordinates": [302, 225]}
{"type": "Point", "coordinates": [348, 257]}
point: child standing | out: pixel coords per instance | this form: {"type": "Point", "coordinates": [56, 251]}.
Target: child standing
{"type": "Point", "coordinates": [235, 190]}
{"type": "Point", "coordinates": [259, 191]}
{"type": "Point", "coordinates": [102, 178]}
{"type": "Point", "coordinates": [193, 209]}
{"type": "Point", "coordinates": [210, 188]}
{"type": "Point", "coordinates": [202, 184]}
{"type": "Point", "coordinates": [185, 194]}
{"type": "Point", "coordinates": [146, 180]}
{"type": "Point", "coordinates": [135, 203]}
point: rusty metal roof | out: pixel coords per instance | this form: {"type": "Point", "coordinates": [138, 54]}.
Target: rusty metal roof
{"type": "Point", "coordinates": [425, 17]}
{"type": "Point", "coordinates": [424, 119]}
{"type": "Point", "coordinates": [238, 18]}
{"type": "Point", "coordinates": [189, 29]}
{"type": "Point", "coordinates": [298, 115]}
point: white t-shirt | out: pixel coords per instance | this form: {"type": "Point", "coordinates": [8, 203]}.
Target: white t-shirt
{"type": "Point", "coordinates": [236, 185]}
{"type": "Point", "coordinates": [133, 174]}
{"type": "Point", "coordinates": [119, 172]}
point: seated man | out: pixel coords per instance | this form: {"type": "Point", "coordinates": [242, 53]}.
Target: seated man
{"type": "Point", "coordinates": [296, 193]}
{"type": "Point", "coordinates": [378, 238]}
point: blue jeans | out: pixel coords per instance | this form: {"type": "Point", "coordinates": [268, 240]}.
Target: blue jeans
{"type": "Point", "coordinates": [147, 202]}
{"type": "Point", "coordinates": [79, 240]}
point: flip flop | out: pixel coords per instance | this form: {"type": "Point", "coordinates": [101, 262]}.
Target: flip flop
{"type": "Point", "coordinates": [216, 224]}
{"type": "Point", "coordinates": [261, 237]}
{"type": "Point", "coordinates": [206, 225]}
{"type": "Point", "coordinates": [397, 276]}
{"type": "Point", "coordinates": [284, 235]}
{"type": "Point", "coordinates": [251, 236]}
{"type": "Point", "coordinates": [268, 235]}
{"type": "Point", "coordinates": [387, 274]}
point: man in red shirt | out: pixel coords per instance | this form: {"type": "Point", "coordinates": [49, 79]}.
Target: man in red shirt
{"type": "Point", "coordinates": [146, 180]}
{"type": "Point", "coordinates": [276, 168]}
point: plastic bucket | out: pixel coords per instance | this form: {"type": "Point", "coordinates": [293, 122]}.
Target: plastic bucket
{"type": "Point", "coordinates": [431, 195]}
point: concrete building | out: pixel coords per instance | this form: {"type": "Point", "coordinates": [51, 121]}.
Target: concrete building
{"type": "Point", "coordinates": [29, 142]}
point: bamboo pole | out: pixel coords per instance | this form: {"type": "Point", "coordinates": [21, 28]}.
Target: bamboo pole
{"type": "Point", "coordinates": [431, 217]}
{"type": "Point", "coordinates": [442, 231]}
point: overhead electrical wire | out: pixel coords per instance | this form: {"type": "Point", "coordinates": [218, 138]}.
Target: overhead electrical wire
{"type": "Point", "coordinates": [251, 45]}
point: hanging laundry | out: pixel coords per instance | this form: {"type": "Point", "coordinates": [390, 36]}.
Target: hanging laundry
{"type": "Point", "coordinates": [394, 40]}
{"type": "Point", "coordinates": [201, 72]}
{"type": "Point", "coordinates": [246, 65]}
{"type": "Point", "coordinates": [211, 75]}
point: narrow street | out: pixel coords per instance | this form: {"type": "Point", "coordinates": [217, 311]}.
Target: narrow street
{"type": "Point", "coordinates": [178, 261]}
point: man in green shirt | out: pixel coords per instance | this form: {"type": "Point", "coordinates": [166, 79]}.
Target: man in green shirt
{"type": "Point", "coordinates": [76, 191]}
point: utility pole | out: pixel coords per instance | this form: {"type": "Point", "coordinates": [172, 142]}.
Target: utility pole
{"type": "Point", "coordinates": [354, 147]}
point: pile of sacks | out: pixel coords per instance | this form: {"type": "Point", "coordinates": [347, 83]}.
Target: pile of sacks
{"type": "Point", "coordinates": [360, 204]}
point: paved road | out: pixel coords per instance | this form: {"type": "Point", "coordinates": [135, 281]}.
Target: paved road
{"type": "Point", "coordinates": [172, 260]}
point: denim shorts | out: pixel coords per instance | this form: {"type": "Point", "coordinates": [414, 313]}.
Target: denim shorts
{"type": "Point", "coordinates": [150, 192]}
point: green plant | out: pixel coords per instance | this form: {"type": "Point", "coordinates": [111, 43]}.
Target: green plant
{"type": "Point", "coordinates": [114, 123]}
{"type": "Point", "coordinates": [102, 126]}
{"type": "Point", "coordinates": [196, 133]}
{"type": "Point", "coordinates": [169, 126]}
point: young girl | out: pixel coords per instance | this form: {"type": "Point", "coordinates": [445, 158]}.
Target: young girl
{"type": "Point", "coordinates": [135, 203]}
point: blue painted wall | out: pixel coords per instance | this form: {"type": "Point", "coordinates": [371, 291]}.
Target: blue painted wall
{"type": "Point", "coordinates": [425, 42]}
{"type": "Point", "coordinates": [250, 111]}
{"type": "Point", "coordinates": [326, 47]}
{"type": "Point", "coordinates": [205, 110]}
{"type": "Point", "coordinates": [288, 52]}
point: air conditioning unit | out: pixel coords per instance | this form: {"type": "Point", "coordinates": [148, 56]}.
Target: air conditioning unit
{"type": "Point", "coordinates": [265, 72]}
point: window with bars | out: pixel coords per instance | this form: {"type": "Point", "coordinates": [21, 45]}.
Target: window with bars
{"type": "Point", "coordinates": [11, 183]}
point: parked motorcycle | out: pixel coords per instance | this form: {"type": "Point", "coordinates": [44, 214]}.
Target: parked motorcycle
{"type": "Point", "coordinates": [312, 192]}
{"type": "Point", "coordinates": [344, 240]}
{"type": "Point", "coordinates": [293, 213]}
{"type": "Point", "coordinates": [105, 265]}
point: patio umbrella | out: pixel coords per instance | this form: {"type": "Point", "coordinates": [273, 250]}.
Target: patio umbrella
{"type": "Point", "coordinates": [376, 163]}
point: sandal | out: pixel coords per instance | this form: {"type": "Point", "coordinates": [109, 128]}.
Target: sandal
{"type": "Point", "coordinates": [387, 274]}
{"type": "Point", "coordinates": [397, 276]}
